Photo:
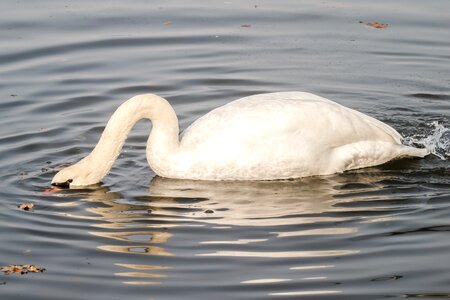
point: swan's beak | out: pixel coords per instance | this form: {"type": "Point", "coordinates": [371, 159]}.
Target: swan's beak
{"type": "Point", "coordinates": [64, 185]}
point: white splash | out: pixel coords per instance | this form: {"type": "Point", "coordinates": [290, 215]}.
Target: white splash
{"type": "Point", "coordinates": [437, 141]}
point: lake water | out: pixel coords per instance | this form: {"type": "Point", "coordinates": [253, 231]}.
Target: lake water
{"type": "Point", "coordinates": [381, 232]}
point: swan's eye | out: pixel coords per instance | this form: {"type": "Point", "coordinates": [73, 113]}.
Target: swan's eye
{"type": "Point", "coordinates": [70, 180]}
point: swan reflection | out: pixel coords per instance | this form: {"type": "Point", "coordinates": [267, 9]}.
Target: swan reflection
{"type": "Point", "coordinates": [264, 203]}
{"type": "Point", "coordinates": [248, 203]}
{"type": "Point", "coordinates": [290, 210]}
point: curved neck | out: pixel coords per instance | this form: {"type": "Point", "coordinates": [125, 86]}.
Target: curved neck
{"type": "Point", "coordinates": [162, 142]}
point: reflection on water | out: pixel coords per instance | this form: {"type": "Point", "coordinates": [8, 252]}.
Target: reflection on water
{"type": "Point", "coordinates": [282, 254]}
{"type": "Point", "coordinates": [304, 293]}
{"type": "Point", "coordinates": [141, 275]}
{"type": "Point", "coordinates": [151, 250]}
{"type": "Point", "coordinates": [287, 210]}
{"type": "Point", "coordinates": [265, 280]}
{"type": "Point", "coordinates": [268, 203]}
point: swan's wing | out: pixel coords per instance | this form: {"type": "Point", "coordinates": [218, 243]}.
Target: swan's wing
{"type": "Point", "coordinates": [299, 96]}
{"type": "Point", "coordinates": [286, 116]}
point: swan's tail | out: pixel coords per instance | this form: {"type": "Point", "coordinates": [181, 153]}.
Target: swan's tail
{"type": "Point", "coordinates": [407, 151]}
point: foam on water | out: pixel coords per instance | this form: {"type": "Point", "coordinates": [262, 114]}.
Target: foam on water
{"type": "Point", "coordinates": [437, 140]}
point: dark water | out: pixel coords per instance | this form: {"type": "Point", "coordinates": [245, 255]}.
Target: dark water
{"type": "Point", "coordinates": [369, 234]}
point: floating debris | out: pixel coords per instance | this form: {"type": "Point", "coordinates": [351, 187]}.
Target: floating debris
{"type": "Point", "coordinates": [375, 25]}
{"type": "Point", "coordinates": [21, 269]}
{"type": "Point", "coordinates": [209, 211]}
{"type": "Point", "coordinates": [246, 25]}
{"type": "Point", "coordinates": [386, 278]}
{"type": "Point", "coordinates": [23, 174]}
{"type": "Point", "coordinates": [26, 206]}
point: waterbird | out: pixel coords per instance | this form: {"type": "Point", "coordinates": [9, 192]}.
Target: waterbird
{"type": "Point", "coordinates": [271, 136]}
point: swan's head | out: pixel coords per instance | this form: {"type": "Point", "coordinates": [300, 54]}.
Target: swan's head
{"type": "Point", "coordinates": [77, 175]}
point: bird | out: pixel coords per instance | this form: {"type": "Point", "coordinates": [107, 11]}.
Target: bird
{"type": "Point", "coordinates": [270, 136]}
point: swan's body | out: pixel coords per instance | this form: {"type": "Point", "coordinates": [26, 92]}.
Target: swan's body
{"type": "Point", "coordinates": [260, 137]}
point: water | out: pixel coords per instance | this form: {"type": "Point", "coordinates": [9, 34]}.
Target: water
{"type": "Point", "coordinates": [375, 233]}
{"type": "Point", "coordinates": [438, 141]}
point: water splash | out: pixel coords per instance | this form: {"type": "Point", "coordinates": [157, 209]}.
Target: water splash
{"type": "Point", "coordinates": [437, 140]}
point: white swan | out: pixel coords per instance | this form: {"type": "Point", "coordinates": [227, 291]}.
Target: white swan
{"type": "Point", "coordinates": [260, 137]}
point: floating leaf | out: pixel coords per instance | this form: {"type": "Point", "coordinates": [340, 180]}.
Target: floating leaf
{"type": "Point", "coordinates": [375, 25]}
{"type": "Point", "coordinates": [26, 206]}
{"type": "Point", "coordinates": [21, 269]}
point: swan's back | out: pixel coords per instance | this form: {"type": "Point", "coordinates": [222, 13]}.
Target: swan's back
{"type": "Point", "coordinates": [287, 115]}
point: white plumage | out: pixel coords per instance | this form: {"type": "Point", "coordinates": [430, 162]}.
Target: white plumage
{"type": "Point", "coordinates": [260, 137]}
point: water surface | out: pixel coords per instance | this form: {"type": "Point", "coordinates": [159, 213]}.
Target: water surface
{"type": "Point", "coordinates": [375, 233]}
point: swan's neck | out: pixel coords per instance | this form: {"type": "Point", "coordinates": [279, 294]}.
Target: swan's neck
{"type": "Point", "coordinates": [162, 143]}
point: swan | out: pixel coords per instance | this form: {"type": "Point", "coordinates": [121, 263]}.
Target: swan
{"type": "Point", "coordinates": [271, 136]}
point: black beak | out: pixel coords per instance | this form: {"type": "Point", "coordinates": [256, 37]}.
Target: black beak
{"type": "Point", "coordinates": [64, 185]}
